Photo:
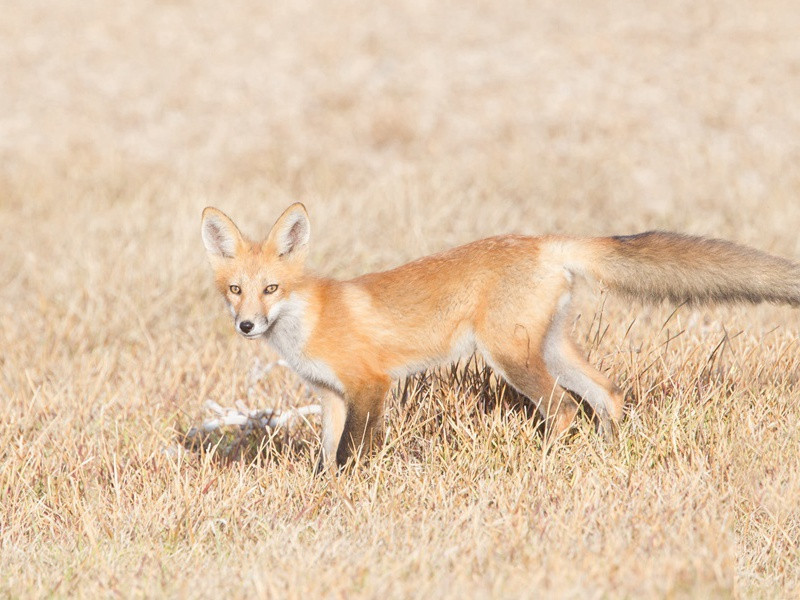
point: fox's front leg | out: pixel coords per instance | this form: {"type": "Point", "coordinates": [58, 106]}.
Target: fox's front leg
{"type": "Point", "coordinates": [334, 413]}
{"type": "Point", "coordinates": [363, 421]}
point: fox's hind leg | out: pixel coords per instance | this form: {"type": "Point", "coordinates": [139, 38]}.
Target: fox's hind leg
{"type": "Point", "coordinates": [512, 342]}
{"type": "Point", "coordinates": [532, 379]}
{"type": "Point", "coordinates": [577, 375]}
{"type": "Point", "coordinates": [566, 363]}
{"type": "Point", "coordinates": [523, 367]}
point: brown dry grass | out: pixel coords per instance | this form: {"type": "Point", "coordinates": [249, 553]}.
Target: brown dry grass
{"type": "Point", "coordinates": [405, 127]}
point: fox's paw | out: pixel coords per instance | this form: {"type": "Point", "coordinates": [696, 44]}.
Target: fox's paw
{"type": "Point", "coordinates": [608, 428]}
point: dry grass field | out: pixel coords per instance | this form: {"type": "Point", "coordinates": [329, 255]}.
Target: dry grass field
{"type": "Point", "coordinates": [405, 127]}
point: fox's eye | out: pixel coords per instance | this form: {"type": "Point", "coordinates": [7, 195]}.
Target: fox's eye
{"type": "Point", "coordinates": [236, 289]}
{"type": "Point", "coordinates": [270, 289]}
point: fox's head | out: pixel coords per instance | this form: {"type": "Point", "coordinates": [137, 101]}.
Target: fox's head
{"type": "Point", "coordinates": [257, 279]}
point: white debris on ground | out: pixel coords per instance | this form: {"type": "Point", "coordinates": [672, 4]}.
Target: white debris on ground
{"type": "Point", "coordinates": [247, 419]}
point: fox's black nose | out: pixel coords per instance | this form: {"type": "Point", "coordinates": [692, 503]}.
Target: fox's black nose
{"type": "Point", "coordinates": [246, 326]}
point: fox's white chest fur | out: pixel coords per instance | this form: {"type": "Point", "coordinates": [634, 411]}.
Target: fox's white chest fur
{"type": "Point", "coordinates": [289, 336]}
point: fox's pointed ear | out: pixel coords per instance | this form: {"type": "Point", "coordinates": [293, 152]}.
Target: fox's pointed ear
{"type": "Point", "coordinates": [221, 237]}
{"type": "Point", "coordinates": [291, 232]}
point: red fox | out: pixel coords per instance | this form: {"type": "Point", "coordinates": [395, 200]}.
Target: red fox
{"type": "Point", "coordinates": [505, 297]}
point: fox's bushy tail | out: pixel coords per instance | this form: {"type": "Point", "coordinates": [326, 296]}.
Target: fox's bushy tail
{"type": "Point", "coordinates": [659, 265]}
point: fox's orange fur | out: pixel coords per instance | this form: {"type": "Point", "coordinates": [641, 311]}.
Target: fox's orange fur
{"type": "Point", "coordinates": [505, 297]}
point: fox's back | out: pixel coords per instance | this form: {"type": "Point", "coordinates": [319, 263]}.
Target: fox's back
{"type": "Point", "coordinates": [448, 284]}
